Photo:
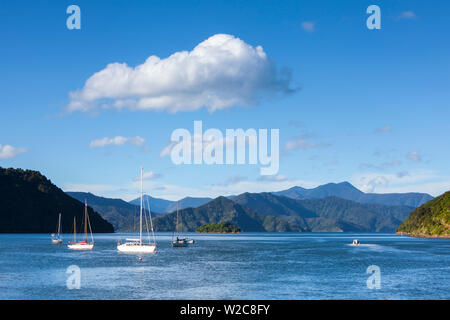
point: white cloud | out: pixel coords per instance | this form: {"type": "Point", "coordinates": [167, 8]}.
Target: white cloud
{"type": "Point", "coordinates": [414, 156]}
{"type": "Point", "coordinates": [370, 184]}
{"type": "Point", "coordinates": [407, 15]}
{"type": "Point", "coordinates": [116, 141]}
{"type": "Point", "coordinates": [8, 152]}
{"type": "Point", "coordinates": [220, 72]}
{"type": "Point", "coordinates": [418, 181]}
{"type": "Point", "coordinates": [308, 26]}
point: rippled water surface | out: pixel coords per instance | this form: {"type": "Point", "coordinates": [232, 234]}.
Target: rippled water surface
{"type": "Point", "coordinates": [242, 266]}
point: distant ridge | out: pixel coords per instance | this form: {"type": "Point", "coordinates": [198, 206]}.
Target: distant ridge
{"type": "Point", "coordinates": [346, 190]}
{"type": "Point", "coordinates": [121, 214]}
{"type": "Point", "coordinates": [166, 206]}
{"type": "Point", "coordinates": [330, 214]}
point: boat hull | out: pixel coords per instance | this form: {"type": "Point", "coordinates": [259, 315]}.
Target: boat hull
{"type": "Point", "coordinates": [179, 244]}
{"type": "Point", "coordinates": [144, 248]}
{"type": "Point", "coordinates": [57, 241]}
{"type": "Point", "coordinates": [79, 246]}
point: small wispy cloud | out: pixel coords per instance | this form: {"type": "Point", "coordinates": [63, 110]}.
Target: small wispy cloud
{"type": "Point", "coordinates": [116, 141]}
{"type": "Point", "coordinates": [7, 151]}
{"type": "Point", "coordinates": [384, 165]}
{"type": "Point", "coordinates": [97, 189]}
{"type": "Point", "coordinates": [296, 124]}
{"type": "Point", "coordinates": [414, 156]}
{"type": "Point", "coordinates": [308, 26]}
{"type": "Point", "coordinates": [370, 185]}
{"type": "Point", "coordinates": [402, 174]}
{"type": "Point", "coordinates": [406, 181]}
{"type": "Point", "coordinates": [407, 15]}
{"type": "Point", "coordinates": [278, 177]}
{"type": "Point", "coordinates": [301, 143]}
{"type": "Point", "coordinates": [150, 175]}
{"type": "Point", "coordinates": [386, 153]}
{"type": "Point", "coordinates": [383, 129]}
{"type": "Point", "coordinates": [232, 180]}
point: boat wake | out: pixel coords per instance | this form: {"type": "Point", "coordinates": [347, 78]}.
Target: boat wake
{"type": "Point", "coordinates": [363, 245]}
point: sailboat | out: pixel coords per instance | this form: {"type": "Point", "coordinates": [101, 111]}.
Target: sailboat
{"type": "Point", "coordinates": [179, 241]}
{"type": "Point", "coordinates": [82, 245]}
{"type": "Point", "coordinates": [56, 238]}
{"type": "Point", "coordinates": [137, 245]}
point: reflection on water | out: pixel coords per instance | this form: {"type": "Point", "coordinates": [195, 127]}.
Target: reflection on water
{"type": "Point", "coordinates": [235, 266]}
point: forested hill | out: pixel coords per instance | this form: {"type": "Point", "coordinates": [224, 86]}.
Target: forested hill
{"type": "Point", "coordinates": [30, 203]}
{"type": "Point", "coordinates": [430, 219]}
{"type": "Point", "coordinates": [223, 210]}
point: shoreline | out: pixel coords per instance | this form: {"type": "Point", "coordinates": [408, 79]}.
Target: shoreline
{"type": "Point", "coordinates": [217, 232]}
{"type": "Point", "coordinates": [421, 235]}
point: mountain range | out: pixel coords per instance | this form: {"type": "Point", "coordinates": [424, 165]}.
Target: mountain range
{"type": "Point", "coordinates": [166, 206]}
{"type": "Point", "coordinates": [222, 209]}
{"type": "Point", "coordinates": [29, 202]}
{"type": "Point", "coordinates": [321, 209]}
{"type": "Point", "coordinates": [277, 214]}
{"type": "Point", "coordinates": [346, 190]}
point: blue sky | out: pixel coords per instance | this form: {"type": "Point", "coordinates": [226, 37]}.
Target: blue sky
{"type": "Point", "coordinates": [373, 107]}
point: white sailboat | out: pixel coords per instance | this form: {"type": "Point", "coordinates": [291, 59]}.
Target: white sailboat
{"type": "Point", "coordinates": [82, 245]}
{"type": "Point", "coordinates": [56, 238]}
{"type": "Point", "coordinates": [137, 245]}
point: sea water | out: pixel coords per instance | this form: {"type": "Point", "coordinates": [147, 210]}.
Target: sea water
{"type": "Point", "coordinates": [229, 266]}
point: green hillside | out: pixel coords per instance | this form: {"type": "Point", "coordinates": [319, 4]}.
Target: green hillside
{"type": "Point", "coordinates": [30, 203]}
{"type": "Point", "coordinates": [430, 219]}
{"type": "Point", "coordinates": [221, 227]}
{"type": "Point", "coordinates": [225, 210]}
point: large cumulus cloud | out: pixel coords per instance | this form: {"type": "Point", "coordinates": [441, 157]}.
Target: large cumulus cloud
{"type": "Point", "coordinates": [220, 72]}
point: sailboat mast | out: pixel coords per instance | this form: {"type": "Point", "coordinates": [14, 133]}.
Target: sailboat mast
{"type": "Point", "coordinates": [176, 227]}
{"type": "Point", "coordinates": [59, 224]}
{"type": "Point", "coordinates": [140, 210]}
{"type": "Point", "coordinates": [74, 229]}
{"type": "Point", "coordinates": [85, 220]}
